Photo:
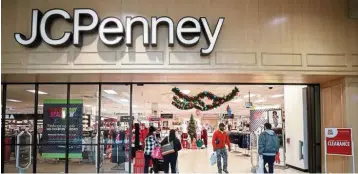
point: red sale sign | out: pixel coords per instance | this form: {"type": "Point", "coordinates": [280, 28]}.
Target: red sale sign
{"type": "Point", "coordinates": [338, 141]}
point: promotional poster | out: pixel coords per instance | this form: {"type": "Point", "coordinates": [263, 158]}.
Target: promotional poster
{"type": "Point", "coordinates": [54, 134]}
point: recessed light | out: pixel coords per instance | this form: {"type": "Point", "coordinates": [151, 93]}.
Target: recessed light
{"type": "Point", "coordinates": [185, 91]}
{"type": "Point", "coordinates": [33, 91]}
{"type": "Point", "coordinates": [87, 105]}
{"type": "Point", "coordinates": [124, 100]}
{"type": "Point", "coordinates": [40, 105]}
{"type": "Point", "coordinates": [277, 96]}
{"type": "Point", "coordinates": [110, 91]}
{"type": "Point", "coordinates": [251, 95]}
{"type": "Point", "coordinates": [13, 100]}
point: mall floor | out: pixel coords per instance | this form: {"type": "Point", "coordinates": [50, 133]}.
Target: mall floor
{"type": "Point", "coordinates": [189, 161]}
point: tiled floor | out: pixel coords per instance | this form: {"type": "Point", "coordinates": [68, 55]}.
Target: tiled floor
{"type": "Point", "coordinates": [189, 161]}
{"type": "Point", "coordinates": [197, 161]}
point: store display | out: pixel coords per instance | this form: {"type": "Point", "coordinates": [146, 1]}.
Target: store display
{"type": "Point", "coordinates": [186, 102]}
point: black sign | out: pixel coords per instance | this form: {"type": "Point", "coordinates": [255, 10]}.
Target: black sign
{"type": "Point", "coordinates": [166, 116]}
{"type": "Point", "coordinates": [126, 119]}
{"type": "Point", "coordinates": [226, 116]}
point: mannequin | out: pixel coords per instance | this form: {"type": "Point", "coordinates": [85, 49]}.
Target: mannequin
{"type": "Point", "coordinates": [204, 136]}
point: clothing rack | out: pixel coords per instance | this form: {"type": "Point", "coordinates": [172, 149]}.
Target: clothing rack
{"type": "Point", "coordinates": [241, 140]}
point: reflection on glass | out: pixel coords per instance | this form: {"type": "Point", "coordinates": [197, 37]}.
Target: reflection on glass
{"type": "Point", "coordinates": [83, 128]}
{"type": "Point", "coordinates": [115, 128]}
{"type": "Point", "coordinates": [19, 113]}
{"type": "Point", "coordinates": [47, 164]}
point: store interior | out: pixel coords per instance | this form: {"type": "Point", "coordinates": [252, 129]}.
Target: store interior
{"type": "Point", "coordinates": [242, 108]}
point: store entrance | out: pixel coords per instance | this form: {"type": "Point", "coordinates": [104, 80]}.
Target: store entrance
{"type": "Point", "coordinates": [102, 127]}
{"type": "Point", "coordinates": [194, 112]}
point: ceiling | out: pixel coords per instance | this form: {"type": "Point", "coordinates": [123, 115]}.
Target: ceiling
{"type": "Point", "coordinates": [143, 98]}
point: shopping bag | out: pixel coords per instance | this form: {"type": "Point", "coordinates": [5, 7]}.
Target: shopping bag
{"type": "Point", "coordinates": [260, 165]}
{"type": "Point", "coordinates": [277, 158]}
{"type": "Point", "coordinates": [157, 153]}
{"type": "Point", "coordinates": [213, 158]}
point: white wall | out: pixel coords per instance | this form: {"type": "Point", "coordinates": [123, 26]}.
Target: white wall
{"type": "Point", "coordinates": [294, 124]}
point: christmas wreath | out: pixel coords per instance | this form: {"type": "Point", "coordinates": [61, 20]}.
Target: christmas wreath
{"type": "Point", "coordinates": [186, 102]}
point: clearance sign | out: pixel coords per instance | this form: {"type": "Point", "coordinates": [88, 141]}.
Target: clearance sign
{"type": "Point", "coordinates": [338, 141]}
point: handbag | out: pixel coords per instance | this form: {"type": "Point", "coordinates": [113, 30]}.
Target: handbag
{"type": "Point", "coordinates": [168, 148]}
{"type": "Point", "coordinates": [157, 153]}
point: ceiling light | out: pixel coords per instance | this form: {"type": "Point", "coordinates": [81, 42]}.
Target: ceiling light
{"type": "Point", "coordinates": [87, 105]}
{"type": "Point", "coordinates": [110, 91]}
{"type": "Point", "coordinates": [40, 105]}
{"type": "Point", "coordinates": [260, 101]}
{"type": "Point", "coordinates": [277, 96]}
{"type": "Point", "coordinates": [33, 91]}
{"type": "Point", "coordinates": [124, 100]}
{"type": "Point", "coordinates": [13, 100]}
{"type": "Point", "coordinates": [251, 95]}
{"type": "Point", "coordinates": [185, 91]}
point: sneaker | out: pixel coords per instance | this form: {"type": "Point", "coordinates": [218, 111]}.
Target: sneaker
{"type": "Point", "coordinates": [226, 171]}
{"type": "Point", "coordinates": [220, 172]}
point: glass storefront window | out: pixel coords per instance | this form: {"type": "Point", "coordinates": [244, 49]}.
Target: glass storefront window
{"type": "Point", "coordinates": [115, 124]}
{"type": "Point", "coordinates": [19, 127]}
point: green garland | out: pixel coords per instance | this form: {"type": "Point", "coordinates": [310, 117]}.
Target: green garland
{"type": "Point", "coordinates": [186, 102]}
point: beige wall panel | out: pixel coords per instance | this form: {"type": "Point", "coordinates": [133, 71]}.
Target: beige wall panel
{"type": "Point", "coordinates": [280, 24]}
{"type": "Point", "coordinates": [240, 32]}
{"type": "Point", "coordinates": [352, 110]}
{"type": "Point", "coordinates": [333, 115]}
{"type": "Point", "coordinates": [145, 58]}
{"type": "Point", "coordinates": [7, 31]}
{"type": "Point", "coordinates": [187, 58]}
{"type": "Point", "coordinates": [232, 58]}
{"type": "Point", "coordinates": [354, 60]}
{"type": "Point", "coordinates": [277, 59]}
{"type": "Point", "coordinates": [48, 58]}
{"type": "Point", "coordinates": [293, 27]}
{"type": "Point", "coordinates": [326, 60]}
{"type": "Point", "coordinates": [96, 58]}
{"type": "Point", "coordinates": [324, 26]}
{"type": "Point", "coordinates": [13, 58]}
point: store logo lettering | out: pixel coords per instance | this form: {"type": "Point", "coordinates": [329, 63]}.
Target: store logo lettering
{"type": "Point", "coordinates": [113, 33]}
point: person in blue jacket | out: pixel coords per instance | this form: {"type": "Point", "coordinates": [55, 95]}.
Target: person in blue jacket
{"type": "Point", "coordinates": [268, 146]}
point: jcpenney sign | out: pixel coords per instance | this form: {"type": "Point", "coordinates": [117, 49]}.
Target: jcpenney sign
{"type": "Point", "coordinates": [112, 32]}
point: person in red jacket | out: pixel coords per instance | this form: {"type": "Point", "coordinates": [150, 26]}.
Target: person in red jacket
{"type": "Point", "coordinates": [220, 139]}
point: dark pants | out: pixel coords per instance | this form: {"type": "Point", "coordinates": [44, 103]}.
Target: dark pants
{"type": "Point", "coordinates": [221, 153]}
{"type": "Point", "coordinates": [270, 160]}
{"type": "Point", "coordinates": [172, 160]}
{"type": "Point", "coordinates": [147, 159]}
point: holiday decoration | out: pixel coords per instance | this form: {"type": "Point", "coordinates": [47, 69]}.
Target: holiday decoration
{"type": "Point", "coordinates": [186, 102]}
{"type": "Point", "coordinates": [192, 128]}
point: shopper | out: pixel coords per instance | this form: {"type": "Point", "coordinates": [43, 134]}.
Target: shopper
{"type": "Point", "coordinates": [220, 139]}
{"type": "Point", "coordinates": [171, 159]}
{"type": "Point", "coordinates": [150, 144]}
{"type": "Point", "coordinates": [268, 147]}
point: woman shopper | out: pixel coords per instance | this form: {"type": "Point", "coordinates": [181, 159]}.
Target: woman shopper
{"type": "Point", "coordinates": [150, 144]}
{"type": "Point", "coordinates": [172, 158]}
